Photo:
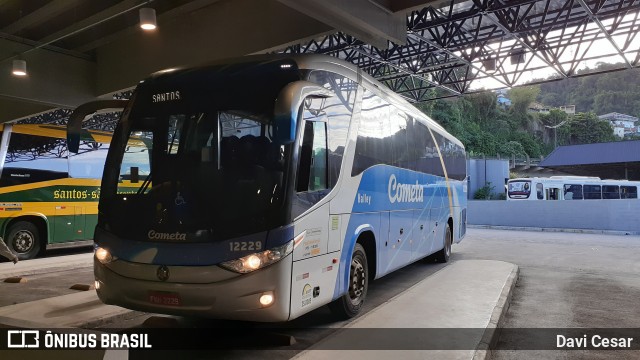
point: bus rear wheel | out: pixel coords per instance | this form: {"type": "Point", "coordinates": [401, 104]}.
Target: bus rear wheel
{"type": "Point", "coordinates": [349, 304]}
{"type": "Point", "coordinates": [23, 239]}
{"type": "Point", "coordinates": [443, 255]}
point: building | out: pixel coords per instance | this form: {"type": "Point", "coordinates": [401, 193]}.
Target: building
{"type": "Point", "coordinates": [539, 108]}
{"type": "Point", "coordinates": [569, 109]}
{"type": "Point", "coordinates": [611, 160]}
{"type": "Point", "coordinates": [622, 124]}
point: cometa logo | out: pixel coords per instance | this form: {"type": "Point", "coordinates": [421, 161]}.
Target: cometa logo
{"type": "Point", "coordinates": [404, 192]}
{"type": "Point", "coordinates": [153, 235]}
{"type": "Point", "coordinates": [168, 96]}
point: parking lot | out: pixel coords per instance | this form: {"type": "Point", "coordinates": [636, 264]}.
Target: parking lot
{"type": "Point", "coordinates": [566, 280]}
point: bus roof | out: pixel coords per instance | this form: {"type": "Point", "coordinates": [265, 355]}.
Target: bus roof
{"type": "Point", "coordinates": [313, 61]}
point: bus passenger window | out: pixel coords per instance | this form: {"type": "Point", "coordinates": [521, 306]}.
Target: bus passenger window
{"type": "Point", "coordinates": [629, 192]}
{"type": "Point", "coordinates": [539, 191]}
{"type": "Point", "coordinates": [610, 192]}
{"type": "Point", "coordinates": [572, 192]}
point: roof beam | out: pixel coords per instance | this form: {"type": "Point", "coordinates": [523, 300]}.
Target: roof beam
{"type": "Point", "coordinates": [366, 20]}
{"type": "Point", "coordinates": [104, 15]}
{"type": "Point", "coordinates": [49, 11]}
{"type": "Point", "coordinates": [597, 21]}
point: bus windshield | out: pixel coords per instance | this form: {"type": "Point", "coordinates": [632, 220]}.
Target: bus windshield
{"type": "Point", "coordinates": [208, 175]}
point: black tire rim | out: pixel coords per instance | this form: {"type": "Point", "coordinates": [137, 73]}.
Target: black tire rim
{"type": "Point", "coordinates": [358, 281]}
{"type": "Point", "coordinates": [23, 241]}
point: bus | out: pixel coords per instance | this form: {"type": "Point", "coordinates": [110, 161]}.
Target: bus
{"type": "Point", "coordinates": [268, 186]}
{"type": "Point", "coordinates": [48, 196]}
{"type": "Point", "coordinates": [571, 188]}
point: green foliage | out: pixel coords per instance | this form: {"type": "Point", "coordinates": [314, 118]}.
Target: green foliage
{"type": "Point", "coordinates": [484, 193]}
{"type": "Point", "coordinates": [522, 97]}
{"type": "Point", "coordinates": [511, 148]}
{"type": "Point", "coordinates": [602, 93]}
{"type": "Point", "coordinates": [586, 128]}
{"type": "Point", "coordinates": [487, 130]}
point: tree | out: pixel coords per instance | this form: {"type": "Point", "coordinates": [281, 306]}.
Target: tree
{"type": "Point", "coordinates": [552, 121]}
{"type": "Point", "coordinates": [587, 128]}
{"type": "Point", "coordinates": [522, 97]}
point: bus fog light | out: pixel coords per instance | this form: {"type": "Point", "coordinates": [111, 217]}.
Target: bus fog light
{"type": "Point", "coordinates": [96, 285]}
{"type": "Point", "coordinates": [103, 255]}
{"type": "Point", "coordinates": [266, 299]}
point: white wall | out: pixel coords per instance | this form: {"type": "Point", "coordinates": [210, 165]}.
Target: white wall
{"type": "Point", "coordinates": [481, 171]}
{"type": "Point", "coordinates": [614, 215]}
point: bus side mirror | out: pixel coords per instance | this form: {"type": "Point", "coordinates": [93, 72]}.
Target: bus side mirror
{"type": "Point", "coordinates": [74, 126]}
{"type": "Point", "coordinates": [287, 108]}
{"type": "Point", "coordinates": [135, 175]}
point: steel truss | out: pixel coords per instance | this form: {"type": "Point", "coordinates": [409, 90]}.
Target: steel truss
{"type": "Point", "coordinates": [469, 46]}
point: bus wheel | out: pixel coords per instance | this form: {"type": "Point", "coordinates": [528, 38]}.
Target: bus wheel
{"type": "Point", "coordinates": [349, 304]}
{"type": "Point", "coordinates": [443, 255]}
{"type": "Point", "coordinates": [24, 240]}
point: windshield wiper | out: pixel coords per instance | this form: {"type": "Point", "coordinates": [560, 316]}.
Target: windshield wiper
{"type": "Point", "coordinates": [145, 184]}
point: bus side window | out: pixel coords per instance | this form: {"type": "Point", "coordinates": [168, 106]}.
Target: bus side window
{"type": "Point", "coordinates": [539, 191]}
{"type": "Point", "coordinates": [312, 169]}
{"type": "Point", "coordinates": [629, 192]}
{"type": "Point", "coordinates": [573, 192]}
{"type": "Point", "coordinates": [312, 177]}
{"type": "Point", "coordinates": [610, 192]}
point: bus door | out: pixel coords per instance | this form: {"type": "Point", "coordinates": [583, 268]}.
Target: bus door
{"type": "Point", "coordinates": [313, 277]}
{"type": "Point", "coordinates": [552, 193]}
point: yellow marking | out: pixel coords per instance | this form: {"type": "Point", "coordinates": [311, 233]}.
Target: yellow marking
{"type": "Point", "coordinates": [55, 131]}
{"type": "Point", "coordinates": [58, 182]}
{"type": "Point", "coordinates": [52, 208]}
{"type": "Point", "coordinates": [444, 169]}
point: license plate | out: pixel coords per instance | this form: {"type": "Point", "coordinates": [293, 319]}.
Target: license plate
{"type": "Point", "coordinates": [164, 298]}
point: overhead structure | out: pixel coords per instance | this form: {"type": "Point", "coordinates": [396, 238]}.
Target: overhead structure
{"type": "Point", "coordinates": [78, 51]}
{"type": "Point", "coordinates": [463, 47]}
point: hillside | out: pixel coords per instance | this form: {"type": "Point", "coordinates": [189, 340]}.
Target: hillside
{"type": "Point", "coordinates": [487, 129]}
{"type": "Point", "coordinates": [617, 91]}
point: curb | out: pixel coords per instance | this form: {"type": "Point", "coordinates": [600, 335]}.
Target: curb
{"type": "Point", "coordinates": [539, 229]}
{"type": "Point", "coordinates": [492, 332]}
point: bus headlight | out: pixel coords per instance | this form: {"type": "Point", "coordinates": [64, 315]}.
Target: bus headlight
{"type": "Point", "coordinates": [259, 260]}
{"type": "Point", "coordinates": [103, 255]}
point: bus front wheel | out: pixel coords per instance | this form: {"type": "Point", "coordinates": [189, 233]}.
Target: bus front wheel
{"type": "Point", "coordinates": [23, 239]}
{"type": "Point", "coordinates": [443, 255]}
{"type": "Point", "coordinates": [349, 304]}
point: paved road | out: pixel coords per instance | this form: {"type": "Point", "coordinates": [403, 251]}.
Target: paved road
{"type": "Point", "coordinates": [566, 280]}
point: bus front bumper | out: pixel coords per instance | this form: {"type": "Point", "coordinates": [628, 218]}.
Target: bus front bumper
{"type": "Point", "coordinates": [236, 298]}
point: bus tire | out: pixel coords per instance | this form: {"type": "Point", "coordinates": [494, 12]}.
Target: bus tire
{"type": "Point", "coordinates": [444, 255]}
{"type": "Point", "coordinates": [350, 304]}
{"type": "Point", "coordinates": [23, 238]}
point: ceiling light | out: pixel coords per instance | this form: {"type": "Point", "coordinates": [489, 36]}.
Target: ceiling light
{"type": "Point", "coordinates": [19, 67]}
{"type": "Point", "coordinates": [147, 18]}
{"type": "Point", "coordinates": [517, 57]}
{"type": "Point", "coordinates": [489, 64]}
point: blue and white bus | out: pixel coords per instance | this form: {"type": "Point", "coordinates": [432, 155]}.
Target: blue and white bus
{"type": "Point", "coordinates": [268, 186]}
